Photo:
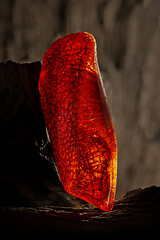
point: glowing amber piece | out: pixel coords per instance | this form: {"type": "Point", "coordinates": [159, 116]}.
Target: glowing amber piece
{"type": "Point", "coordinates": [78, 120]}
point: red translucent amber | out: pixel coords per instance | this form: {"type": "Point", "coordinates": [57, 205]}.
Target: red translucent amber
{"type": "Point", "coordinates": [78, 120]}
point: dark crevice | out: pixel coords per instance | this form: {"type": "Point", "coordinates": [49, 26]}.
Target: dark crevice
{"type": "Point", "coordinates": [100, 12]}
{"type": "Point", "coordinates": [120, 31]}
{"type": "Point", "coordinates": [8, 34]}
{"type": "Point", "coordinates": [63, 15]}
{"type": "Point", "coordinates": [125, 9]}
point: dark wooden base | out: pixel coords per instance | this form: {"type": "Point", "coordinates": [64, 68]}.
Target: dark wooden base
{"type": "Point", "coordinates": [137, 214]}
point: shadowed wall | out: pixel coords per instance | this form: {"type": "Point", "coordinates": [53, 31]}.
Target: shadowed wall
{"type": "Point", "coordinates": [128, 37]}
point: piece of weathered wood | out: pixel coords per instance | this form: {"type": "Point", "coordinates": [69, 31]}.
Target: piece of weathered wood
{"type": "Point", "coordinates": [137, 214]}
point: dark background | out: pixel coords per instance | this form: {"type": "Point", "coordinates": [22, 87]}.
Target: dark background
{"type": "Point", "coordinates": [128, 42]}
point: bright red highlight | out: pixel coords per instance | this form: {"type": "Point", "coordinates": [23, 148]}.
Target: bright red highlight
{"type": "Point", "coordinates": [78, 120]}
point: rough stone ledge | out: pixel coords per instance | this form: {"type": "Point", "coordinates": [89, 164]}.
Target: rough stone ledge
{"type": "Point", "coordinates": [137, 213]}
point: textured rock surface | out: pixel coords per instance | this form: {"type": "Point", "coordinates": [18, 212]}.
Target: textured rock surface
{"type": "Point", "coordinates": [137, 214]}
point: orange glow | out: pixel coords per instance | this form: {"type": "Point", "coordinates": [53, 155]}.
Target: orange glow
{"type": "Point", "coordinates": [78, 120]}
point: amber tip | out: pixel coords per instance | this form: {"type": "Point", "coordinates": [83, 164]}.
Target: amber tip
{"type": "Point", "coordinates": [90, 36]}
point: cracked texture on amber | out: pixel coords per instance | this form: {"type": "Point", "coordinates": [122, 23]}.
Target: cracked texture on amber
{"type": "Point", "coordinates": [78, 120]}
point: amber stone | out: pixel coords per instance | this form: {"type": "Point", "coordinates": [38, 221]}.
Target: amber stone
{"type": "Point", "coordinates": [78, 119]}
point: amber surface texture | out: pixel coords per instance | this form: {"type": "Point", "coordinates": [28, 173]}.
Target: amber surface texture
{"type": "Point", "coordinates": [78, 120]}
